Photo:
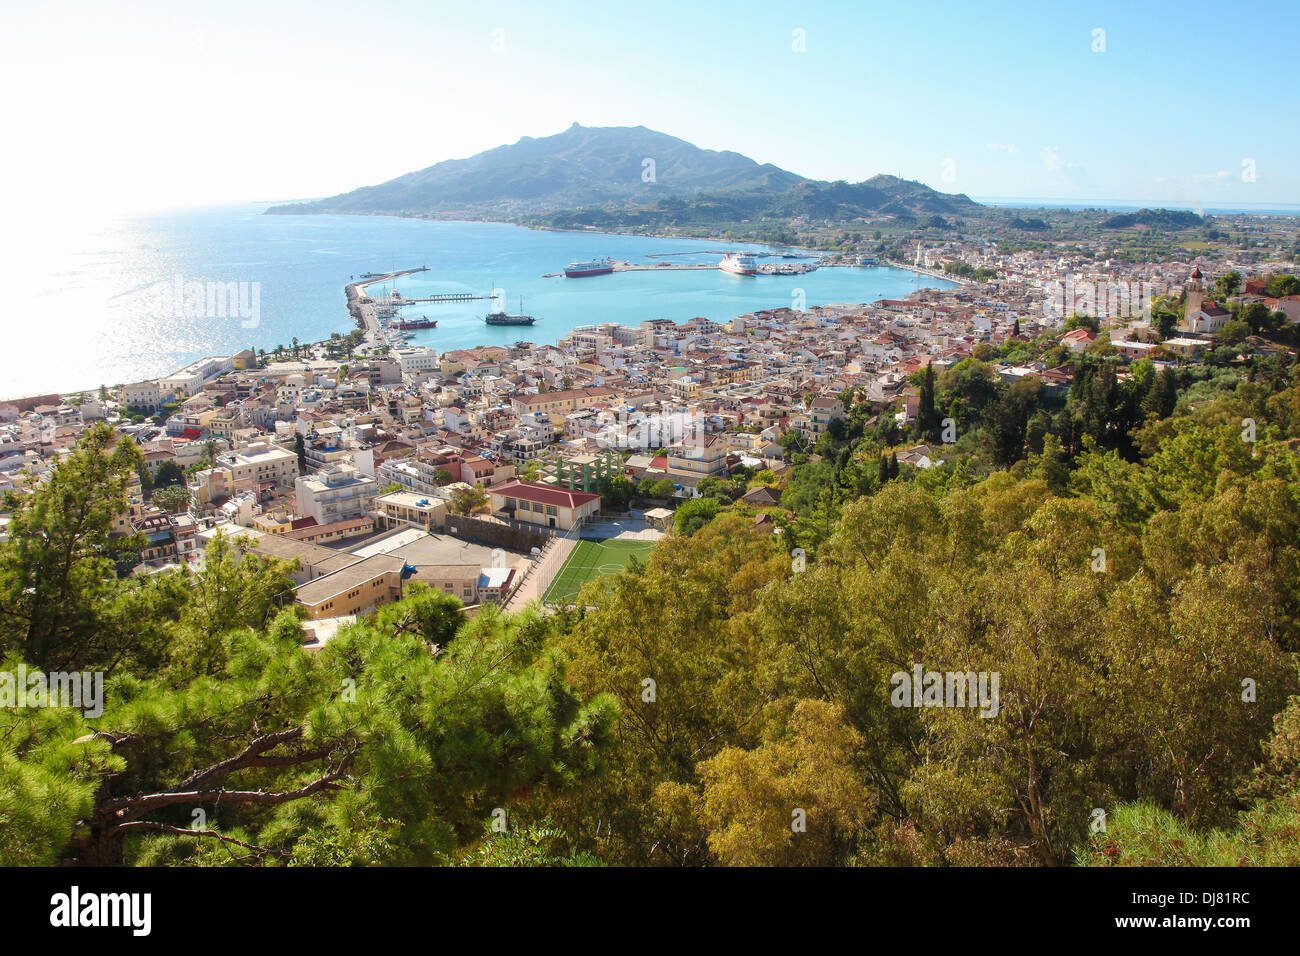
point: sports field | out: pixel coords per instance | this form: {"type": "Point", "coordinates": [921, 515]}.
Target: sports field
{"type": "Point", "coordinates": [593, 559]}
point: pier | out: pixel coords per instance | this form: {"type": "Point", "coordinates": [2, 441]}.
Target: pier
{"type": "Point", "coordinates": [396, 301]}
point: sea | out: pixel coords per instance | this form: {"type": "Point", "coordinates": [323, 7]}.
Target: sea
{"type": "Point", "coordinates": [1132, 205]}
{"type": "Point", "coordinates": [129, 298]}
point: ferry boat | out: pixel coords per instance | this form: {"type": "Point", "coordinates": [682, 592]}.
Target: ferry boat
{"type": "Point", "coordinates": [740, 264]}
{"type": "Point", "coordinates": [423, 322]}
{"type": "Point", "coordinates": [501, 318]}
{"type": "Point", "coordinates": [590, 267]}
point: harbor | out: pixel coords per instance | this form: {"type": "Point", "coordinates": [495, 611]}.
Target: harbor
{"type": "Point", "coordinates": [380, 318]}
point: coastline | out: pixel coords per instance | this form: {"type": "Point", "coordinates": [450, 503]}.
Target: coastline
{"type": "Point", "coordinates": [932, 273]}
{"type": "Point", "coordinates": [575, 232]}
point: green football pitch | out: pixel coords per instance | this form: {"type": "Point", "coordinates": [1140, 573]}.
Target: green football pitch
{"type": "Point", "coordinates": [592, 559]}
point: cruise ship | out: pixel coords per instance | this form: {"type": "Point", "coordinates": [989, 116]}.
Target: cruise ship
{"type": "Point", "coordinates": [591, 267]}
{"type": "Point", "coordinates": [739, 264]}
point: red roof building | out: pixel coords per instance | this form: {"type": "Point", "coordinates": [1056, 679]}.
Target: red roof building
{"type": "Point", "coordinates": [548, 506]}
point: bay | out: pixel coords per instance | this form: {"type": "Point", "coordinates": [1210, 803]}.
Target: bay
{"type": "Point", "coordinates": [103, 308]}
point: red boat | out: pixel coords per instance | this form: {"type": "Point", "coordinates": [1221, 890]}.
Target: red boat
{"type": "Point", "coordinates": [423, 322]}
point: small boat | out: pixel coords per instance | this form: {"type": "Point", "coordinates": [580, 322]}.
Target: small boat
{"type": "Point", "coordinates": [423, 322]}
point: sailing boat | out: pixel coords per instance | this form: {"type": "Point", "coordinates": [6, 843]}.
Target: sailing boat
{"type": "Point", "coordinates": [501, 318]}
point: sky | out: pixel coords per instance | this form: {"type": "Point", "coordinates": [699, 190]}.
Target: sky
{"type": "Point", "coordinates": [150, 105]}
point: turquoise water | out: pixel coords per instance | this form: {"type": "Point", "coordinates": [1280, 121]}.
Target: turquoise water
{"type": "Point", "coordinates": [105, 312]}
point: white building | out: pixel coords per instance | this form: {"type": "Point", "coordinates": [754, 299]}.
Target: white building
{"type": "Point", "coordinates": [190, 379]}
{"type": "Point", "coordinates": [143, 396]}
{"type": "Point", "coordinates": [416, 359]}
{"type": "Point", "coordinates": [336, 493]}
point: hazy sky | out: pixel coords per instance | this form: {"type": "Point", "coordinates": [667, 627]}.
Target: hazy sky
{"type": "Point", "coordinates": [153, 104]}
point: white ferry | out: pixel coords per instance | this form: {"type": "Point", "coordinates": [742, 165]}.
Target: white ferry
{"type": "Point", "coordinates": [591, 267]}
{"type": "Point", "coordinates": [739, 264]}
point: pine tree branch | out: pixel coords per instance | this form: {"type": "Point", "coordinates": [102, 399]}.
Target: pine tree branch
{"type": "Point", "coordinates": [261, 851]}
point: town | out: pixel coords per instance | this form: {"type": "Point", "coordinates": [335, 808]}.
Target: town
{"type": "Point", "coordinates": [477, 470]}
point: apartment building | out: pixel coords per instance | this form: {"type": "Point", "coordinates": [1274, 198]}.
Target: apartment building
{"type": "Point", "coordinates": [698, 459]}
{"type": "Point", "coordinates": [260, 466]}
{"type": "Point", "coordinates": [334, 494]}
{"type": "Point", "coordinates": [400, 508]}
{"type": "Point", "coordinates": [416, 359]}
{"type": "Point", "coordinates": [560, 403]}
{"type": "Point", "coordinates": [821, 412]}
{"type": "Point", "coordinates": [209, 487]}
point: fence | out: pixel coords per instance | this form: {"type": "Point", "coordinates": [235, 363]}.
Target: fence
{"type": "Point", "coordinates": [561, 547]}
{"type": "Point", "coordinates": [543, 570]}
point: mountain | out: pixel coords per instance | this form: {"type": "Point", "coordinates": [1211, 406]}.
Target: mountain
{"type": "Point", "coordinates": [579, 166]}
{"type": "Point", "coordinates": [626, 175]}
